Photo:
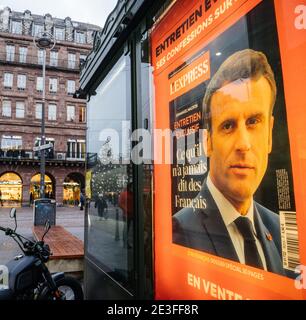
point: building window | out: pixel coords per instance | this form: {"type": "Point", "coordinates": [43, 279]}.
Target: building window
{"type": "Point", "coordinates": [53, 85]}
{"type": "Point", "coordinates": [23, 54]}
{"type": "Point", "coordinates": [16, 27]}
{"type": "Point", "coordinates": [79, 37]}
{"type": "Point", "coordinates": [76, 149]}
{"type": "Point", "coordinates": [40, 56]}
{"type": "Point", "coordinates": [6, 108]}
{"type": "Point", "coordinates": [38, 110]}
{"type": "Point", "coordinates": [52, 112]}
{"type": "Point", "coordinates": [21, 81]}
{"type": "Point", "coordinates": [8, 80]}
{"type": "Point", "coordinates": [53, 58]}
{"type": "Point", "coordinates": [37, 29]}
{"type": "Point", "coordinates": [70, 87]}
{"type": "Point", "coordinates": [39, 84]}
{"type": "Point", "coordinates": [10, 53]}
{"type": "Point", "coordinates": [82, 114]}
{"type": "Point", "coordinates": [59, 34]}
{"type": "Point", "coordinates": [71, 60]}
{"type": "Point", "coordinates": [11, 142]}
{"type": "Point", "coordinates": [70, 113]}
{"type": "Point", "coordinates": [20, 109]}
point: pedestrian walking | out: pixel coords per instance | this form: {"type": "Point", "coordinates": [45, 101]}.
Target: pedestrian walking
{"type": "Point", "coordinates": [82, 200]}
{"type": "Point", "coordinates": [101, 204]}
{"type": "Point", "coordinates": [31, 198]}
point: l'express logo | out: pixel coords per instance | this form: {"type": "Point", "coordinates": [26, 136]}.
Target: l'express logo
{"type": "Point", "coordinates": [300, 20]}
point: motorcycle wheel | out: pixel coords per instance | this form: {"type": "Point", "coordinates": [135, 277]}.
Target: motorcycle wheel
{"type": "Point", "coordinates": [68, 286]}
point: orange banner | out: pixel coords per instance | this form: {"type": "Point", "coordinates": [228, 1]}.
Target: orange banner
{"type": "Point", "coordinates": [189, 44]}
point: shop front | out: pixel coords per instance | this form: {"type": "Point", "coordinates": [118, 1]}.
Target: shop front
{"type": "Point", "coordinates": [35, 187]}
{"type": "Point", "coordinates": [72, 187]}
{"type": "Point", "coordinates": [195, 151]}
{"type": "Point", "coordinates": [10, 190]}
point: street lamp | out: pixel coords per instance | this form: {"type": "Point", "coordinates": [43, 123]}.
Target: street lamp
{"type": "Point", "coordinates": [43, 40]}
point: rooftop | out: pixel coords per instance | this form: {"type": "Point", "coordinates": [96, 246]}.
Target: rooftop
{"type": "Point", "coordinates": [58, 22]}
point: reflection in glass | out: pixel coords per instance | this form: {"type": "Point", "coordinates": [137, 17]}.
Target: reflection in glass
{"type": "Point", "coordinates": [108, 181]}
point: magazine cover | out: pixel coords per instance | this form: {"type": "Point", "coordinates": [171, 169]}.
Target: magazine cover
{"type": "Point", "coordinates": [232, 228]}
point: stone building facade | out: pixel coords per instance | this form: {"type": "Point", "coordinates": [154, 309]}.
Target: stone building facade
{"type": "Point", "coordinates": [21, 84]}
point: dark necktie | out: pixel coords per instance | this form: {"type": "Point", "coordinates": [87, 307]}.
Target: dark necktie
{"type": "Point", "coordinates": [251, 254]}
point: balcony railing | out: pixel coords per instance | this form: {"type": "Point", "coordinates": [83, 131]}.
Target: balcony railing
{"type": "Point", "coordinates": [35, 60]}
{"type": "Point", "coordinates": [35, 155]}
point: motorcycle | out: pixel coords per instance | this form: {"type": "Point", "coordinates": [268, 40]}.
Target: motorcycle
{"type": "Point", "coordinates": [28, 275]}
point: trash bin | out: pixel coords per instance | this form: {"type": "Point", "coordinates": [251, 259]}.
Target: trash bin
{"type": "Point", "coordinates": [43, 210]}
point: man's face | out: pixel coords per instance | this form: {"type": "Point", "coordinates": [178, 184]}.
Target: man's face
{"type": "Point", "coordinates": [240, 138]}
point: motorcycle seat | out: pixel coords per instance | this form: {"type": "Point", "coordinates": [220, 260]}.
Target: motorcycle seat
{"type": "Point", "coordinates": [6, 294]}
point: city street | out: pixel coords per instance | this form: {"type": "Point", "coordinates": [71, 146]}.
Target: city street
{"type": "Point", "coordinates": [71, 218]}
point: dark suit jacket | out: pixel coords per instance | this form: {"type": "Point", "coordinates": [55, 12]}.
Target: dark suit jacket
{"type": "Point", "coordinates": [204, 229]}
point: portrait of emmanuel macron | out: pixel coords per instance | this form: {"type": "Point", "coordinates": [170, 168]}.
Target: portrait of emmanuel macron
{"type": "Point", "coordinates": [238, 115]}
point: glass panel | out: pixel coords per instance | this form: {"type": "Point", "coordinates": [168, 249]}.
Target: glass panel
{"type": "Point", "coordinates": [17, 27]}
{"type": "Point", "coordinates": [78, 155]}
{"type": "Point", "coordinates": [82, 114]}
{"type": "Point", "coordinates": [37, 29]}
{"type": "Point", "coordinates": [109, 190]}
{"type": "Point", "coordinates": [83, 149]}
{"type": "Point", "coordinates": [68, 148]}
{"type": "Point", "coordinates": [23, 54]}
{"type": "Point", "coordinates": [21, 81]}
{"type": "Point", "coordinates": [10, 53]}
{"type": "Point", "coordinates": [53, 58]}
{"type": "Point", "coordinates": [70, 87]}
{"type": "Point", "coordinates": [6, 109]}
{"type": "Point", "coordinates": [11, 143]}
{"type": "Point", "coordinates": [38, 110]}
{"type": "Point", "coordinates": [40, 56]}
{"type": "Point", "coordinates": [53, 85]}
{"type": "Point", "coordinates": [59, 34]}
{"type": "Point", "coordinates": [71, 60]}
{"type": "Point", "coordinates": [79, 37]}
{"type": "Point", "coordinates": [19, 109]}
{"type": "Point", "coordinates": [70, 113]}
{"type": "Point", "coordinates": [52, 112]}
{"type": "Point", "coordinates": [73, 147]}
{"type": "Point", "coordinates": [8, 80]}
{"type": "Point", "coordinates": [39, 83]}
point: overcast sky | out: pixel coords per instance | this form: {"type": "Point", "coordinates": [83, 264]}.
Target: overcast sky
{"type": "Point", "coordinates": [88, 11]}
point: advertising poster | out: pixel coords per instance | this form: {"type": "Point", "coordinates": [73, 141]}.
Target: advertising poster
{"type": "Point", "coordinates": [228, 210]}
{"type": "Point", "coordinates": [88, 184]}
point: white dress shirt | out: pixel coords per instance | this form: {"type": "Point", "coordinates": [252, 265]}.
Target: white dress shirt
{"type": "Point", "coordinates": [229, 215]}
